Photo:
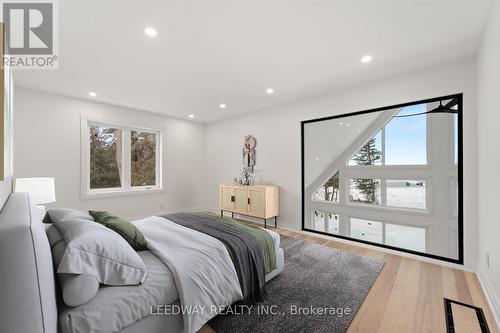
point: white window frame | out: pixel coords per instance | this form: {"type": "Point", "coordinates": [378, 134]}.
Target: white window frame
{"type": "Point", "coordinates": [383, 194]}
{"type": "Point", "coordinates": [126, 189]}
{"type": "Point", "coordinates": [384, 172]}
{"type": "Point", "coordinates": [384, 224]}
{"type": "Point", "coordinates": [325, 223]}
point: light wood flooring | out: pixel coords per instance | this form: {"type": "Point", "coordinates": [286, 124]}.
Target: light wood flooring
{"type": "Point", "coordinates": [408, 294]}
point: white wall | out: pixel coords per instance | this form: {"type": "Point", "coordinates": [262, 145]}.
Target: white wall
{"type": "Point", "coordinates": [489, 159]}
{"type": "Point", "coordinates": [47, 139]}
{"type": "Point", "coordinates": [278, 135]}
{"type": "Point", "coordinates": [5, 191]}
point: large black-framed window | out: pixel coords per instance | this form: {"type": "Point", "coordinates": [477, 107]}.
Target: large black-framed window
{"type": "Point", "coordinates": [390, 177]}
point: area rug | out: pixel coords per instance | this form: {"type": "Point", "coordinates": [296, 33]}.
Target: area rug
{"type": "Point", "coordinates": [319, 290]}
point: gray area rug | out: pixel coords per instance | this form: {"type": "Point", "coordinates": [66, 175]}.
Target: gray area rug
{"type": "Point", "coordinates": [320, 290]}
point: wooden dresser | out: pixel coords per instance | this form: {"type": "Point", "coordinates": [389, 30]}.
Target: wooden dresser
{"type": "Point", "coordinates": [261, 201]}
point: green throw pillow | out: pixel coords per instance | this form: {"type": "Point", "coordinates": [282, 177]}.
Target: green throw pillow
{"type": "Point", "coordinates": [123, 227]}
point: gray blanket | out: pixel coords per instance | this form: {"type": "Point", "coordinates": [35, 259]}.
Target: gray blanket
{"type": "Point", "coordinates": [244, 248]}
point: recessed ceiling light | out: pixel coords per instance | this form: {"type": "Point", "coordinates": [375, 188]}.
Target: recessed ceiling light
{"type": "Point", "coordinates": [222, 106]}
{"type": "Point", "coordinates": [269, 91]}
{"type": "Point", "coordinates": [341, 123]}
{"type": "Point", "coordinates": [151, 32]}
{"type": "Point", "coordinates": [92, 94]}
{"type": "Point", "coordinates": [191, 116]}
{"type": "Point", "coordinates": [366, 59]}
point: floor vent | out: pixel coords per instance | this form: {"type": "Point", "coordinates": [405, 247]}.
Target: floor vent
{"type": "Point", "coordinates": [461, 317]}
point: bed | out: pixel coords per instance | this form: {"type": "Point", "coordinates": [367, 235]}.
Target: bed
{"type": "Point", "coordinates": [30, 286]}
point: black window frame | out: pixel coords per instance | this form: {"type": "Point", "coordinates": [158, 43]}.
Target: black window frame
{"type": "Point", "coordinates": [459, 97]}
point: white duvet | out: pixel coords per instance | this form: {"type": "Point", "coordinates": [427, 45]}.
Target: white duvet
{"type": "Point", "coordinates": [204, 274]}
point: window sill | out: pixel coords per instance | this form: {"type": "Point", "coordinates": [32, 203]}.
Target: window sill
{"type": "Point", "coordinates": [119, 193]}
{"type": "Point", "coordinates": [392, 209]}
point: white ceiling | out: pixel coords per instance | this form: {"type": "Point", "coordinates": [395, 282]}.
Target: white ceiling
{"type": "Point", "coordinates": [230, 51]}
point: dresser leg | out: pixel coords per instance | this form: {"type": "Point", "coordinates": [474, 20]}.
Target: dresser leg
{"type": "Point", "coordinates": [276, 221]}
{"type": "Point", "coordinates": [221, 213]}
{"type": "Point", "coordinates": [265, 223]}
{"type": "Point", "coordinates": [232, 215]}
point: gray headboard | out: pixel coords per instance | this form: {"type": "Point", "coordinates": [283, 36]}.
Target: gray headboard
{"type": "Point", "coordinates": [27, 290]}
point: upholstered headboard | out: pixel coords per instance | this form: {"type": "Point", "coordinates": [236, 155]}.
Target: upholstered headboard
{"type": "Point", "coordinates": [27, 290]}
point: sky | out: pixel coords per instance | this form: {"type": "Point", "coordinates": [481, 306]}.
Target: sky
{"type": "Point", "coordinates": [405, 138]}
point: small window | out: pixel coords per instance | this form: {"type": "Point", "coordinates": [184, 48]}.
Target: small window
{"type": "Point", "coordinates": [370, 153]}
{"type": "Point", "coordinates": [143, 158]}
{"type": "Point", "coordinates": [367, 230]}
{"type": "Point", "coordinates": [406, 193]}
{"type": "Point", "coordinates": [329, 191]}
{"type": "Point", "coordinates": [406, 237]}
{"type": "Point", "coordinates": [326, 222]}
{"type": "Point", "coordinates": [365, 191]}
{"type": "Point", "coordinates": [105, 157]}
{"type": "Point", "coordinates": [118, 159]}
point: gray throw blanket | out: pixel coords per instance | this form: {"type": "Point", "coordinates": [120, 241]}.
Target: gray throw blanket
{"type": "Point", "coordinates": [244, 249]}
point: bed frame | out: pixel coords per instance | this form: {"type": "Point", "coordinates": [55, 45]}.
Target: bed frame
{"type": "Point", "coordinates": [27, 288]}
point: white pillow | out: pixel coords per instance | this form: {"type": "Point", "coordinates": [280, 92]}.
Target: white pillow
{"type": "Point", "coordinates": [76, 289]}
{"type": "Point", "coordinates": [93, 249]}
{"type": "Point", "coordinates": [58, 214]}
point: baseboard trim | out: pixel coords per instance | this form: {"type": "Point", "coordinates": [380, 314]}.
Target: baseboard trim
{"type": "Point", "coordinates": [489, 292]}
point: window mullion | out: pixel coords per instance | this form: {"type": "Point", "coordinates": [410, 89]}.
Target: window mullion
{"type": "Point", "coordinates": [383, 192]}
{"type": "Point", "coordinates": [126, 158]}
{"type": "Point", "coordinates": [85, 130]}
{"type": "Point", "coordinates": [383, 233]}
{"type": "Point", "coordinates": [158, 156]}
{"type": "Point", "coordinates": [382, 148]}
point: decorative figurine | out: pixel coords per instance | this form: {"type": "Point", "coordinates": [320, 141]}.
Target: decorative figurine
{"type": "Point", "coordinates": [249, 153]}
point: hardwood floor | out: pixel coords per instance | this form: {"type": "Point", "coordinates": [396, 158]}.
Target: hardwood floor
{"type": "Point", "coordinates": [408, 294]}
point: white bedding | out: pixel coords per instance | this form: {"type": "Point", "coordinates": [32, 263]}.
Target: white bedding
{"type": "Point", "coordinates": [202, 268]}
{"type": "Point", "coordinates": [114, 308]}
{"type": "Point", "coordinates": [275, 236]}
